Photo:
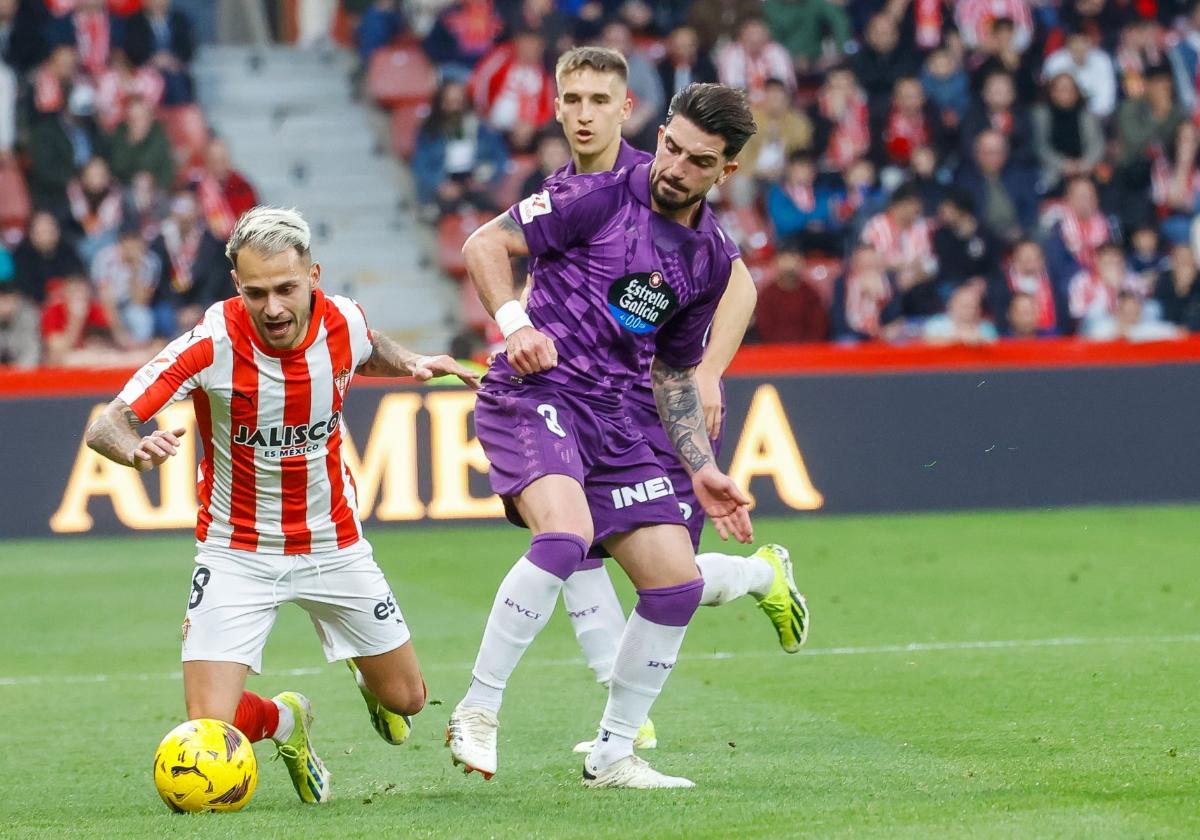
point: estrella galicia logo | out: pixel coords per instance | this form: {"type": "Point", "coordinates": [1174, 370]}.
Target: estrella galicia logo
{"type": "Point", "coordinates": [642, 302]}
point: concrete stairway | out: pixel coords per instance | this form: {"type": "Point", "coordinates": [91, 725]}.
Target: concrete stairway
{"type": "Point", "coordinates": [296, 131]}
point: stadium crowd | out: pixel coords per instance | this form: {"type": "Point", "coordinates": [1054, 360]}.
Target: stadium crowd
{"type": "Point", "coordinates": [947, 172]}
{"type": "Point", "coordinates": [115, 201]}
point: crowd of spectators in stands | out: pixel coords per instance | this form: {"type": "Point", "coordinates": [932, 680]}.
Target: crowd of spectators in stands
{"type": "Point", "coordinates": [925, 170]}
{"type": "Point", "coordinates": [120, 245]}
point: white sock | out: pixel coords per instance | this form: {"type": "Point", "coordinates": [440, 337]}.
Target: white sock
{"type": "Point", "coordinates": [644, 661]}
{"type": "Point", "coordinates": [287, 722]}
{"type": "Point", "coordinates": [728, 577]}
{"type": "Point", "coordinates": [522, 607]}
{"type": "Point", "coordinates": [597, 618]}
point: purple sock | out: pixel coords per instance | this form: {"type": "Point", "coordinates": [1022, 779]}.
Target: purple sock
{"type": "Point", "coordinates": [673, 606]}
{"type": "Point", "coordinates": [558, 554]}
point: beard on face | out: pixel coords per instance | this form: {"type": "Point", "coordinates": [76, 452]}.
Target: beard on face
{"type": "Point", "coordinates": [667, 202]}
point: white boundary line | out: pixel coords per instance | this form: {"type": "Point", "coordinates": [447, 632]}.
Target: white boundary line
{"type": "Point", "coordinates": [911, 647]}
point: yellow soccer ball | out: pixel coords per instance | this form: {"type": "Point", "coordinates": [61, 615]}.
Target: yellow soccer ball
{"type": "Point", "coordinates": [205, 765]}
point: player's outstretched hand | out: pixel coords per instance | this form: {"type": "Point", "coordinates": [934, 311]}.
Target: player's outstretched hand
{"type": "Point", "coordinates": [155, 448]}
{"type": "Point", "coordinates": [726, 505]}
{"type": "Point", "coordinates": [427, 367]}
{"type": "Point", "coordinates": [530, 351]}
{"type": "Point", "coordinates": [711, 402]}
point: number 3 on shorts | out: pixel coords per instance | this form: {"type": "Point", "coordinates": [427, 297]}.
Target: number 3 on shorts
{"type": "Point", "coordinates": [551, 414]}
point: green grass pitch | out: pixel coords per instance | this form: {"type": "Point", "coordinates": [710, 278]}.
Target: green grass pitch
{"type": "Point", "coordinates": [1027, 674]}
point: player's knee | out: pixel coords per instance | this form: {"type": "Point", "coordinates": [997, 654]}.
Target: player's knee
{"type": "Point", "coordinates": [403, 697]}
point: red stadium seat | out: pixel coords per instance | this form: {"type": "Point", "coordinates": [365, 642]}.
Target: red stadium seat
{"type": "Point", "coordinates": [519, 168]}
{"type": "Point", "coordinates": [186, 129]}
{"type": "Point", "coordinates": [406, 123]}
{"type": "Point", "coordinates": [400, 74]}
{"type": "Point", "coordinates": [453, 231]}
{"type": "Point", "coordinates": [15, 206]}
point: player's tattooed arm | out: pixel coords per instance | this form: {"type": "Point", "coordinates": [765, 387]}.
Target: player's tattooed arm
{"type": "Point", "coordinates": [488, 255]}
{"type": "Point", "coordinates": [115, 435]}
{"type": "Point", "coordinates": [682, 414]}
{"type": "Point", "coordinates": [724, 338]}
{"type": "Point", "coordinates": [391, 359]}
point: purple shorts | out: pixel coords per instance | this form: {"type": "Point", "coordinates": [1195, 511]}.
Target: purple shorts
{"type": "Point", "coordinates": [532, 431]}
{"type": "Point", "coordinates": [642, 412]}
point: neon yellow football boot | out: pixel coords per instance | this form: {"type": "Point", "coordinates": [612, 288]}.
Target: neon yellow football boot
{"type": "Point", "coordinates": [308, 772]}
{"type": "Point", "coordinates": [391, 727]}
{"type": "Point", "coordinates": [784, 604]}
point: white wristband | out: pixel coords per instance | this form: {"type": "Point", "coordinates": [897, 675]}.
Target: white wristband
{"type": "Point", "coordinates": [511, 317]}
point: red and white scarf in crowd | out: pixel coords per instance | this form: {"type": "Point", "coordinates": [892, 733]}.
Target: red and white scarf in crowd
{"type": "Point", "coordinates": [899, 247]}
{"type": "Point", "coordinates": [93, 34]}
{"type": "Point", "coordinates": [48, 94]}
{"type": "Point", "coordinates": [865, 302]}
{"type": "Point", "coordinates": [904, 133]}
{"type": "Point", "coordinates": [94, 217]}
{"type": "Point", "coordinates": [213, 204]}
{"type": "Point", "coordinates": [1083, 236]}
{"type": "Point", "coordinates": [182, 250]}
{"type": "Point", "coordinates": [1090, 297]}
{"type": "Point", "coordinates": [1038, 287]}
{"type": "Point", "coordinates": [1162, 176]}
{"type": "Point", "coordinates": [114, 90]}
{"type": "Point", "coordinates": [927, 16]}
{"type": "Point", "coordinates": [975, 19]}
{"type": "Point", "coordinates": [802, 195]}
{"type": "Point", "coordinates": [851, 135]}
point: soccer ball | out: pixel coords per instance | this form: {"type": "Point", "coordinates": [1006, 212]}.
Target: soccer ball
{"type": "Point", "coordinates": [205, 765]}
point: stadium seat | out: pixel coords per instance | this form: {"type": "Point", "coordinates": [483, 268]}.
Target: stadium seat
{"type": "Point", "coordinates": [519, 168]}
{"type": "Point", "coordinates": [15, 206]}
{"type": "Point", "coordinates": [453, 231]}
{"type": "Point", "coordinates": [406, 123]}
{"type": "Point", "coordinates": [400, 74]}
{"type": "Point", "coordinates": [186, 129]}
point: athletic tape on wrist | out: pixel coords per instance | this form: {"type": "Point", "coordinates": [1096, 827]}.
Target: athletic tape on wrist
{"type": "Point", "coordinates": [511, 317]}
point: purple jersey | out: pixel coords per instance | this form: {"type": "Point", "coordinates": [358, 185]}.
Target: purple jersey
{"type": "Point", "coordinates": [615, 283]}
{"type": "Point", "coordinates": [642, 394]}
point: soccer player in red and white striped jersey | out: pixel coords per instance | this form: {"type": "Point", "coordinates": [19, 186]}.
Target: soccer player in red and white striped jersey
{"type": "Point", "coordinates": [267, 372]}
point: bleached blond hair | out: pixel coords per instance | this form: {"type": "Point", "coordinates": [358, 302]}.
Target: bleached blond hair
{"type": "Point", "coordinates": [269, 231]}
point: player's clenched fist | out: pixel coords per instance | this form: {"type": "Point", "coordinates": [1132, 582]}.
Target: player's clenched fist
{"type": "Point", "coordinates": [155, 448]}
{"type": "Point", "coordinates": [530, 351]}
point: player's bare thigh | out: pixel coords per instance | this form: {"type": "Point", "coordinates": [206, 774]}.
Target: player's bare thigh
{"type": "Point", "coordinates": [655, 556]}
{"type": "Point", "coordinates": [213, 689]}
{"type": "Point", "coordinates": [555, 504]}
{"type": "Point", "coordinates": [395, 679]}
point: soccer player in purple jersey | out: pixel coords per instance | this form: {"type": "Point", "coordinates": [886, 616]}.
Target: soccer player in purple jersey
{"type": "Point", "coordinates": [625, 260]}
{"type": "Point", "coordinates": [592, 104]}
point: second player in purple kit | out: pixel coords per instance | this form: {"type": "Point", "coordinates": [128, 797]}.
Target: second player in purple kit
{"type": "Point", "coordinates": [626, 261]}
{"type": "Point", "coordinates": [592, 104]}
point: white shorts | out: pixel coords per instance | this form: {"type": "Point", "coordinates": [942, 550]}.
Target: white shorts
{"type": "Point", "coordinates": [236, 595]}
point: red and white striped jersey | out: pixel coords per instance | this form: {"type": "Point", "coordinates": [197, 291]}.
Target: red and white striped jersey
{"type": "Point", "coordinates": [272, 478]}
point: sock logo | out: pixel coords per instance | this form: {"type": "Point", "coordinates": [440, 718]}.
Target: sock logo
{"type": "Point", "coordinates": [654, 663]}
{"type": "Point", "coordinates": [509, 602]}
{"type": "Point", "coordinates": [604, 734]}
{"type": "Point", "coordinates": [583, 612]}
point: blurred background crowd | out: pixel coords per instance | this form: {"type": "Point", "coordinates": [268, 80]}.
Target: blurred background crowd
{"type": "Point", "coordinates": [924, 171]}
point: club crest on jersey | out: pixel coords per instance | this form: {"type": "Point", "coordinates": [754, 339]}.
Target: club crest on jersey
{"type": "Point", "coordinates": [536, 205]}
{"type": "Point", "coordinates": [342, 381]}
{"type": "Point", "coordinates": [642, 302]}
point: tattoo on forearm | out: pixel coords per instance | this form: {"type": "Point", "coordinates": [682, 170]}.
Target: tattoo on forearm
{"type": "Point", "coordinates": [115, 433]}
{"type": "Point", "coordinates": [387, 358]}
{"type": "Point", "coordinates": [682, 414]}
